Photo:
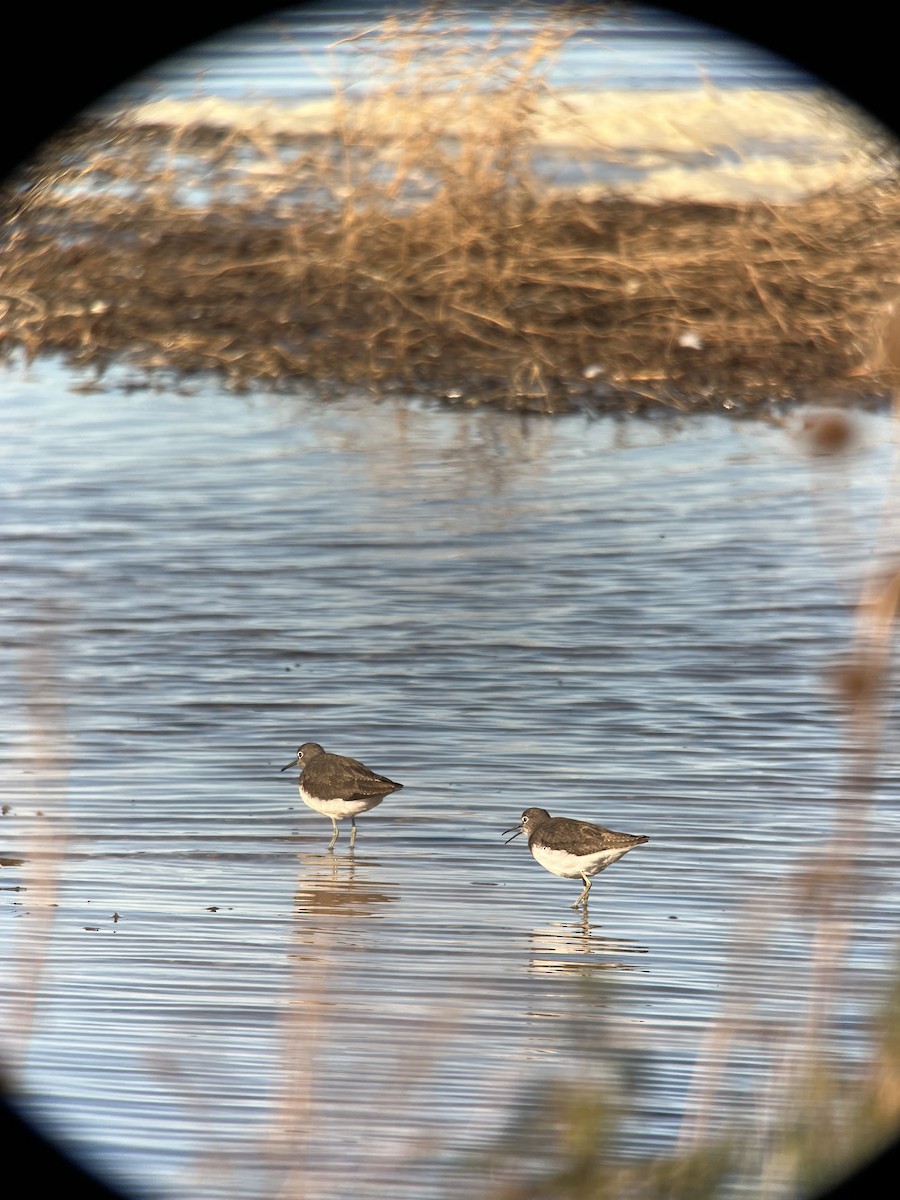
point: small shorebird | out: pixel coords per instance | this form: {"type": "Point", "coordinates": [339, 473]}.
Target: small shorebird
{"type": "Point", "coordinates": [572, 849]}
{"type": "Point", "coordinates": [338, 787]}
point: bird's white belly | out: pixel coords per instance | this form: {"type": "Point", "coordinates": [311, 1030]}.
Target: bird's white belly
{"type": "Point", "coordinates": [573, 866]}
{"type": "Point", "coordinates": [339, 808]}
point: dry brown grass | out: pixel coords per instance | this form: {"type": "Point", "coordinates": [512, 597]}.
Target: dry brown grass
{"type": "Point", "coordinates": [416, 248]}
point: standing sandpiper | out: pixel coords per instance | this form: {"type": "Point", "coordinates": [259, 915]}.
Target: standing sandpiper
{"type": "Point", "coordinates": [338, 787]}
{"type": "Point", "coordinates": [572, 849]}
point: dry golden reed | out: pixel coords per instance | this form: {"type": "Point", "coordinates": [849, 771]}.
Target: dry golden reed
{"type": "Point", "coordinates": [416, 246]}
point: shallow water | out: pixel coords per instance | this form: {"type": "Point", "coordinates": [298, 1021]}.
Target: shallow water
{"type": "Point", "coordinates": [299, 51]}
{"type": "Point", "coordinates": [627, 620]}
{"type": "Point", "coordinates": [749, 124]}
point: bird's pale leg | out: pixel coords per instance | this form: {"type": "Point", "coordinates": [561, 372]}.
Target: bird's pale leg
{"type": "Point", "coordinates": [584, 894]}
{"type": "Point", "coordinates": [335, 834]}
{"type": "Point", "coordinates": [352, 832]}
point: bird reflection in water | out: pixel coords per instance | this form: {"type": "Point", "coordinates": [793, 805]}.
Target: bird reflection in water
{"type": "Point", "coordinates": [575, 948]}
{"type": "Point", "coordinates": [330, 885]}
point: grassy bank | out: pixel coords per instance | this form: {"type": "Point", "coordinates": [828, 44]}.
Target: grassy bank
{"type": "Point", "coordinates": [503, 299]}
{"type": "Point", "coordinates": [411, 243]}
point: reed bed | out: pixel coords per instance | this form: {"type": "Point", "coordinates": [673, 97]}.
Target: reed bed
{"type": "Point", "coordinates": [411, 244]}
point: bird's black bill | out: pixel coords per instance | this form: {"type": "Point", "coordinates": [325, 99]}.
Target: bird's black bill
{"type": "Point", "coordinates": [292, 763]}
{"type": "Point", "coordinates": [517, 828]}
